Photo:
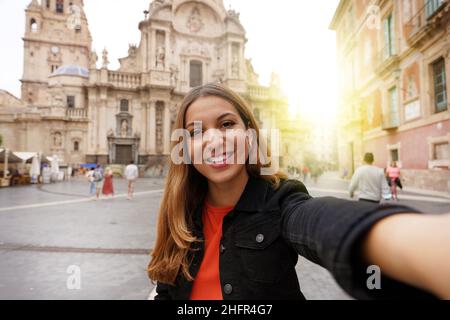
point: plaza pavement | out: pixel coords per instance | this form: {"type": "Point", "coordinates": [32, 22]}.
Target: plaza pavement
{"type": "Point", "coordinates": [47, 230]}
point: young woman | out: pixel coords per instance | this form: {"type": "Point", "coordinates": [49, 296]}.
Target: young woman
{"type": "Point", "coordinates": [393, 174]}
{"type": "Point", "coordinates": [226, 231]}
{"type": "Point", "coordinates": [108, 185]}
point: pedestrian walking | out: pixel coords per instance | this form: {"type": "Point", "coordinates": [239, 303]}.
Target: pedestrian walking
{"type": "Point", "coordinates": [69, 172]}
{"type": "Point", "coordinates": [98, 178]}
{"type": "Point", "coordinates": [90, 177]}
{"type": "Point", "coordinates": [108, 185]}
{"type": "Point", "coordinates": [305, 172]}
{"type": "Point", "coordinates": [233, 231]}
{"type": "Point", "coordinates": [370, 181]}
{"type": "Point", "coordinates": [393, 176]}
{"type": "Point", "coordinates": [131, 174]}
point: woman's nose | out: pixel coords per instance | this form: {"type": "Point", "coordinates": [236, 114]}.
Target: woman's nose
{"type": "Point", "coordinates": [214, 140]}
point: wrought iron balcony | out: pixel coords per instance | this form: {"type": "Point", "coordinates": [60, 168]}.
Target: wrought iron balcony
{"type": "Point", "coordinates": [424, 21]}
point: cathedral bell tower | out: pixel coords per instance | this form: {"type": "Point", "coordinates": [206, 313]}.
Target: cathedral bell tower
{"type": "Point", "coordinates": [56, 35]}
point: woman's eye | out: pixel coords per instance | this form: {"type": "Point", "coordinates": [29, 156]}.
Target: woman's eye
{"type": "Point", "coordinates": [195, 133]}
{"type": "Point", "coordinates": [228, 124]}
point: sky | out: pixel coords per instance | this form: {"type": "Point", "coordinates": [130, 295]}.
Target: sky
{"type": "Point", "coordinates": [289, 37]}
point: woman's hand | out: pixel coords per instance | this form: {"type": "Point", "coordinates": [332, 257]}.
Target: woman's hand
{"type": "Point", "coordinates": [414, 249]}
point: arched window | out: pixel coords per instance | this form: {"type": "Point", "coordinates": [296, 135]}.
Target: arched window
{"type": "Point", "coordinates": [33, 25]}
{"type": "Point", "coordinates": [59, 6]}
{"type": "Point", "coordinates": [196, 73]}
{"type": "Point", "coordinates": [124, 105]}
{"type": "Point", "coordinates": [76, 146]}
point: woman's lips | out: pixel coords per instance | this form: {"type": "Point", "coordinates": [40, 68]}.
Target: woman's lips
{"type": "Point", "coordinates": [219, 162]}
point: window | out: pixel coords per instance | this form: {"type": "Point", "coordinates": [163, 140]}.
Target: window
{"type": "Point", "coordinates": [76, 146]}
{"type": "Point", "coordinates": [53, 68]}
{"type": "Point", "coordinates": [59, 6]}
{"type": "Point", "coordinates": [124, 105]}
{"type": "Point", "coordinates": [47, 4]}
{"type": "Point", "coordinates": [196, 73]}
{"type": "Point", "coordinates": [440, 85]}
{"type": "Point", "coordinates": [70, 101]}
{"type": "Point", "coordinates": [441, 151]}
{"type": "Point", "coordinates": [33, 25]}
{"type": "Point", "coordinates": [394, 155]}
{"type": "Point", "coordinates": [389, 38]}
{"type": "Point", "coordinates": [432, 6]}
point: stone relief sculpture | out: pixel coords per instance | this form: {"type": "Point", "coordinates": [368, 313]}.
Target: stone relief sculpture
{"type": "Point", "coordinates": [57, 139]}
{"type": "Point", "coordinates": [235, 67]}
{"type": "Point", "coordinates": [173, 75]}
{"type": "Point", "coordinates": [124, 128]}
{"type": "Point", "coordinates": [195, 23]}
{"type": "Point", "coordinates": [160, 57]}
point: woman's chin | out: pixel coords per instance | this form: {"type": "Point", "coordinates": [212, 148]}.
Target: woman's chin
{"type": "Point", "coordinates": [223, 175]}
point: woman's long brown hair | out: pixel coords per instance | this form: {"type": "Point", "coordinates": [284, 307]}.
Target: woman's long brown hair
{"type": "Point", "coordinates": [184, 190]}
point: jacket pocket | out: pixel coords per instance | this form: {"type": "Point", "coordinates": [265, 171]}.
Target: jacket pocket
{"type": "Point", "coordinates": [263, 252]}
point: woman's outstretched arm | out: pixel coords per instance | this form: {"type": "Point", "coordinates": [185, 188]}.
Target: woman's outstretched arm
{"type": "Point", "coordinates": [414, 249]}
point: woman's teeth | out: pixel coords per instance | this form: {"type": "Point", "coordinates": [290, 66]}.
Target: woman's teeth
{"type": "Point", "coordinates": [221, 159]}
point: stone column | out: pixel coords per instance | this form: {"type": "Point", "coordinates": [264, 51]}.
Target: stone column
{"type": "Point", "coordinates": [143, 129]}
{"type": "Point", "coordinates": [151, 126]}
{"type": "Point", "coordinates": [241, 60]}
{"type": "Point", "coordinates": [167, 51]}
{"type": "Point", "coordinates": [166, 129]}
{"type": "Point", "coordinates": [145, 45]}
{"type": "Point", "coordinates": [102, 128]}
{"type": "Point", "coordinates": [230, 60]}
{"type": "Point", "coordinates": [152, 51]}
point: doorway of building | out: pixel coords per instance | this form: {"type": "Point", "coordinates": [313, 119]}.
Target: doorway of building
{"type": "Point", "coordinates": [124, 154]}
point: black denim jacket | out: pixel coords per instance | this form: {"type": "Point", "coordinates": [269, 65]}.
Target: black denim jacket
{"type": "Point", "coordinates": [268, 229]}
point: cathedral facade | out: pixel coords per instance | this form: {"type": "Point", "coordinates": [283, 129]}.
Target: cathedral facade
{"type": "Point", "coordinates": [74, 106]}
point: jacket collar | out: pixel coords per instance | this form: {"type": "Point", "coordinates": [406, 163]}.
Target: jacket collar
{"type": "Point", "coordinates": [252, 200]}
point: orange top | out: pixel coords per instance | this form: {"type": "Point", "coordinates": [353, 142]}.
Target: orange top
{"type": "Point", "coordinates": [207, 282]}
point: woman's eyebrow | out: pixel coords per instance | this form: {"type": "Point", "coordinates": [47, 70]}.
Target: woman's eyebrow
{"type": "Point", "coordinates": [226, 115]}
{"type": "Point", "coordinates": [191, 124]}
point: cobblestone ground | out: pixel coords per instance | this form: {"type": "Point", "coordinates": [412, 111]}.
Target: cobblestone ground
{"type": "Point", "coordinates": [47, 231]}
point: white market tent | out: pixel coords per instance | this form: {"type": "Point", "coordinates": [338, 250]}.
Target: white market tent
{"type": "Point", "coordinates": [7, 156]}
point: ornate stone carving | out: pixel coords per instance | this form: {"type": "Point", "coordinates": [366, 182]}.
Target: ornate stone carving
{"type": "Point", "coordinates": [234, 14]}
{"type": "Point", "coordinates": [173, 75]}
{"type": "Point", "coordinates": [57, 139]}
{"type": "Point", "coordinates": [160, 57]}
{"type": "Point", "coordinates": [105, 59]}
{"type": "Point", "coordinates": [195, 23]}
{"type": "Point", "coordinates": [124, 128]}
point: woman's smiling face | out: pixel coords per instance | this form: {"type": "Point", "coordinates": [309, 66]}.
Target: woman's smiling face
{"type": "Point", "coordinates": [216, 130]}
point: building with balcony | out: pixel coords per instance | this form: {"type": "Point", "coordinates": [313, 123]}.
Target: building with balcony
{"type": "Point", "coordinates": [394, 83]}
{"type": "Point", "coordinates": [74, 106]}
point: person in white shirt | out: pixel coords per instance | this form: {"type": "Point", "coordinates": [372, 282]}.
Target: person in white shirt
{"type": "Point", "coordinates": [370, 181]}
{"type": "Point", "coordinates": [131, 174]}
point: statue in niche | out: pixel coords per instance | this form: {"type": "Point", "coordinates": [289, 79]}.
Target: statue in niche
{"type": "Point", "coordinates": [174, 75]}
{"type": "Point", "coordinates": [195, 23]}
{"type": "Point", "coordinates": [57, 140]}
{"type": "Point", "coordinates": [160, 57]}
{"type": "Point", "coordinates": [124, 128]}
{"type": "Point", "coordinates": [235, 67]}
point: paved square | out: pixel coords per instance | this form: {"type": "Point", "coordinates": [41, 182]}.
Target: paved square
{"type": "Point", "coordinates": [47, 230]}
